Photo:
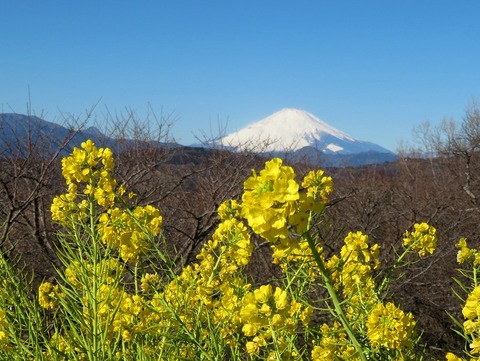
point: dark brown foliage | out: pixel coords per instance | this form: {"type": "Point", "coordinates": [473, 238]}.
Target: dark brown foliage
{"type": "Point", "coordinates": [188, 184]}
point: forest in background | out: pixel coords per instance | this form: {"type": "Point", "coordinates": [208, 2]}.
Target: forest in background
{"type": "Point", "coordinates": [188, 185]}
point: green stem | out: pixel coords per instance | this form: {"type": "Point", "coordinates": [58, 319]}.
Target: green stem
{"type": "Point", "coordinates": [395, 266]}
{"type": "Point", "coordinates": [334, 297]}
{"type": "Point", "coordinates": [135, 277]}
{"type": "Point", "coordinates": [475, 276]}
{"type": "Point", "coordinates": [95, 331]}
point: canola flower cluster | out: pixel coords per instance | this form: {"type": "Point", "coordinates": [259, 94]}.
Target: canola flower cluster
{"type": "Point", "coordinates": [388, 328]}
{"type": "Point", "coordinates": [471, 313]}
{"type": "Point", "coordinates": [210, 289]}
{"type": "Point", "coordinates": [177, 315]}
{"type": "Point", "coordinates": [117, 312]}
{"type": "Point", "coordinates": [471, 308]}
{"type": "Point", "coordinates": [272, 203]}
{"type": "Point", "coordinates": [334, 344]}
{"type": "Point", "coordinates": [89, 181]}
{"type": "Point", "coordinates": [90, 169]}
{"type": "Point", "coordinates": [276, 210]}
{"type": "Point", "coordinates": [120, 236]}
{"type": "Point", "coordinates": [210, 293]}
{"type": "Point", "coordinates": [129, 231]}
{"type": "Point", "coordinates": [466, 254]}
{"type": "Point", "coordinates": [422, 240]}
{"type": "Point", "coordinates": [269, 316]}
{"type": "Point", "coordinates": [48, 295]}
{"type": "Point", "coordinates": [4, 324]}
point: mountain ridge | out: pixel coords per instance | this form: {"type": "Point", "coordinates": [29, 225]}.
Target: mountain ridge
{"type": "Point", "coordinates": [19, 132]}
{"type": "Point", "coordinates": [301, 136]}
{"type": "Point", "coordinates": [294, 129]}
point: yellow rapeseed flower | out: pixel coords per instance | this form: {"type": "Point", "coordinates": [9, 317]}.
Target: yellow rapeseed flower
{"type": "Point", "coordinates": [228, 209]}
{"type": "Point", "coordinates": [422, 240]}
{"type": "Point", "coordinates": [471, 310]}
{"type": "Point", "coordinates": [333, 345]}
{"type": "Point", "coordinates": [268, 200]}
{"type": "Point", "coordinates": [263, 294]}
{"type": "Point", "coordinates": [48, 295]}
{"type": "Point", "coordinates": [280, 298]}
{"type": "Point", "coordinates": [4, 324]}
{"type": "Point", "coordinates": [475, 345]}
{"type": "Point", "coordinates": [390, 327]}
{"type": "Point", "coordinates": [357, 249]}
{"type": "Point", "coordinates": [318, 185]}
{"type": "Point", "coordinates": [452, 357]}
{"type": "Point", "coordinates": [148, 280]}
{"type": "Point", "coordinates": [129, 232]}
{"type": "Point", "coordinates": [466, 254]}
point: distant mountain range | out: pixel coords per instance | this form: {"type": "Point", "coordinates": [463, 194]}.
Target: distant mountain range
{"type": "Point", "coordinates": [305, 137]}
{"type": "Point", "coordinates": [291, 133]}
{"type": "Point", "coordinates": [18, 130]}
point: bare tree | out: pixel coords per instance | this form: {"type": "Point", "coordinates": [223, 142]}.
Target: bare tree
{"type": "Point", "coordinates": [458, 143]}
{"type": "Point", "coordinates": [31, 150]}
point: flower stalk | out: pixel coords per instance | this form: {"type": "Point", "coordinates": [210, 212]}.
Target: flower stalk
{"type": "Point", "coordinates": [334, 297]}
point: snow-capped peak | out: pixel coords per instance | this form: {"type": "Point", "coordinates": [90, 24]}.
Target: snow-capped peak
{"type": "Point", "coordinates": [293, 130]}
{"type": "Point", "coordinates": [288, 129]}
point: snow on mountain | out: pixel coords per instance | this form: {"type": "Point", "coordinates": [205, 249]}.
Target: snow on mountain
{"type": "Point", "coordinates": [294, 129]}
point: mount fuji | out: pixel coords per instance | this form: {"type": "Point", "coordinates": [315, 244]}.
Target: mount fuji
{"type": "Point", "coordinates": [305, 136]}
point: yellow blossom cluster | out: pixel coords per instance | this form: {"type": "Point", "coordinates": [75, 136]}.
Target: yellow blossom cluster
{"type": "Point", "coordinates": [64, 348]}
{"type": "Point", "coordinates": [108, 271]}
{"type": "Point", "coordinates": [268, 200]}
{"type": "Point", "coordinates": [318, 185]}
{"type": "Point", "coordinates": [231, 239]}
{"type": "Point", "coordinates": [48, 295]}
{"type": "Point", "coordinates": [102, 297]}
{"type": "Point", "coordinates": [128, 231]}
{"type": "Point", "coordinates": [80, 165]}
{"type": "Point", "coordinates": [295, 251]}
{"type": "Point", "coordinates": [210, 290]}
{"type": "Point", "coordinates": [471, 313]}
{"type": "Point", "coordinates": [272, 201]}
{"type": "Point", "coordinates": [268, 316]}
{"type": "Point", "coordinates": [333, 345]}
{"type": "Point", "coordinates": [278, 209]}
{"type": "Point", "coordinates": [390, 327]}
{"type": "Point", "coordinates": [4, 324]}
{"type": "Point", "coordinates": [95, 279]}
{"type": "Point", "coordinates": [352, 273]}
{"type": "Point", "coordinates": [87, 171]}
{"type": "Point", "coordinates": [211, 297]}
{"type": "Point", "coordinates": [422, 240]}
{"type": "Point", "coordinates": [149, 282]}
{"type": "Point", "coordinates": [471, 308]}
{"type": "Point", "coordinates": [88, 176]}
{"type": "Point", "coordinates": [228, 209]}
{"type": "Point", "coordinates": [117, 311]}
{"type": "Point", "coordinates": [466, 254]}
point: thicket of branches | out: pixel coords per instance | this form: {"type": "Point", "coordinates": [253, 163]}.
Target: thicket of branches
{"type": "Point", "coordinates": [437, 182]}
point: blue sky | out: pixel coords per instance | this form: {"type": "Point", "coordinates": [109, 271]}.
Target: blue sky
{"type": "Point", "coordinates": [373, 69]}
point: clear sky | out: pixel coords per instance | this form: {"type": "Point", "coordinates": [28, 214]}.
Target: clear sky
{"type": "Point", "coordinates": [373, 69]}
